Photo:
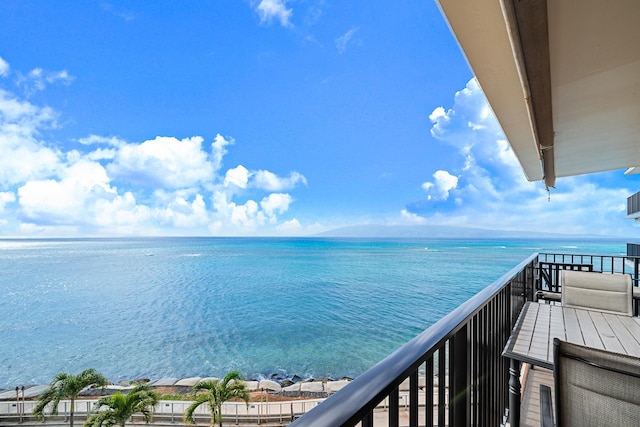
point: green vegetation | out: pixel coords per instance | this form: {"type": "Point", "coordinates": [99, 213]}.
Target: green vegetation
{"type": "Point", "coordinates": [67, 386]}
{"type": "Point", "coordinates": [119, 407]}
{"type": "Point", "coordinates": [215, 393]}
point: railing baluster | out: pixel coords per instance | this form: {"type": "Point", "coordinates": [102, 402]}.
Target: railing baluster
{"type": "Point", "coordinates": [484, 366]}
{"type": "Point", "coordinates": [367, 421]}
{"type": "Point", "coordinates": [413, 399]}
{"type": "Point", "coordinates": [428, 404]}
{"type": "Point", "coordinates": [394, 412]}
{"type": "Point", "coordinates": [475, 374]}
{"type": "Point", "coordinates": [442, 384]}
{"type": "Point", "coordinates": [459, 378]}
{"type": "Point", "coordinates": [493, 363]}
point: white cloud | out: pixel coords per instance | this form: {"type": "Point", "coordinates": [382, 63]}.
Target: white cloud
{"type": "Point", "coordinates": [250, 217]}
{"type": "Point", "coordinates": [343, 41]}
{"type": "Point", "coordinates": [107, 186]}
{"type": "Point", "coordinates": [164, 162]}
{"type": "Point", "coordinates": [275, 203]}
{"type": "Point", "coordinates": [436, 115]}
{"type": "Point", "coordinates": [22, 155]}
{"type": "Point", "coordinates": [487, 189]}
{"type": "Point", "coordinates": [238, 176]}
{"type": "Point", "coordinates": [102, 140]}
{"type": "Point", "coordinates": [290, 227]}
{"type": "Point", "coordinates": [218, 150]}
{"type": "Point", "coordinates": [247, 216]}
{"type": "Point", "coordinates": [184, 214]}
{"type": "Point", "coordinates": [443, 183]}
{"type": "Point", "coordinates": [121, 214]}
{"type": "Point", "coordinates": [102, 154]}
{"type": "Point", "coordinates": [488, 166]}
{"type": "Point", "coordinates": [67, 200]}
{"type": "Point", "coordinates": [269, 181]}
{"type": "Point", "coordinates": [411, 218]}
{"type": "Point", "coordinates": [4, 68]}
{"type": "Point", "coordinates": [269, 10]}
{"type": "Point", "coordinates": [38, 79]}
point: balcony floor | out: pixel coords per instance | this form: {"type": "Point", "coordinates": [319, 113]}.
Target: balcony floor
{"type": "Point", "coordinates": [530, 410]}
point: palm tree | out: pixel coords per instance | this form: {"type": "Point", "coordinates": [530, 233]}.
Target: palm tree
{"type": "Point", "coordinates": [119, 407]}
{"type": "Point", "coordinates": [67, 386]}
{"type": "Point", "coordinates": [215, 393]}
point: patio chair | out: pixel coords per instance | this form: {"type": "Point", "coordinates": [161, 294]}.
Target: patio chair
{"type": "Point", "coordinates": [611, 293]}
{"type": "Point", "coordinates": [592, 388]}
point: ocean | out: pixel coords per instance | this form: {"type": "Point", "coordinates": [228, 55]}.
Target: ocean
{"type": "Point", "coordinates": [183, 307]}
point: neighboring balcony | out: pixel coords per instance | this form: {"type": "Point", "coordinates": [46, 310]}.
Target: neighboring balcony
{"type": "Point", "coordinates": [633, 206]}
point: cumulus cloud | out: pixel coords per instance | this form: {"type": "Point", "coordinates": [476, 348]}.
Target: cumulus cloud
{"type": "Point", "coordinates": [65, 201]}
{"type": "Point", "coordinates": [269, 181]}
{"type": "Point", "coordinates": [270, 10]}
{"type": "Point", "coordinates": [181, 213]}
{"type": "Point", "coordinates": [443, 183]}
{"type": "Point", "coordinates": [343, 41]}
{"type": "Point", "coordinates": [23, 156]}
{"type": "Point", "coordinates": [238, 176]}
{"type": "Point", "coordinates": [163, 162]}
{"type": "Point", "coordinates": [275, 203]}
{"type": "Point", "coordinates": [290, 227]}
{"type": "Point", "coordinates": [106, 185]}
{"type": "Point", "coordinates": [487, 188]}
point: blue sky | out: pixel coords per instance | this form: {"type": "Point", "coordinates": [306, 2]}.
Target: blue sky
{"type": "Point", "coordinates": [259, 117]}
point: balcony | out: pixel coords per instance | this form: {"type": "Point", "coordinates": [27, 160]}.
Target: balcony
{"type": "Point", "coordinates": [455, 372]}
{"type": "Point", "coordinates": [633, 206]}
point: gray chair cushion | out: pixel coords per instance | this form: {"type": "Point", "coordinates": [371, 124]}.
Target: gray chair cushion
{"type": "Point", "coordinates": [595, 387]}
{"type": "Point", "coordinates": [606, 292]}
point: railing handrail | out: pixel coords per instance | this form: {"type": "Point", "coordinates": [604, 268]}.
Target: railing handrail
{"type": "Point", "coordinates": [558, 254]}
{"type": "Point", "coordinates": [360, 396]}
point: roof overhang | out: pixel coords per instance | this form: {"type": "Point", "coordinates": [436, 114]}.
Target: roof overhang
{"type": "Point", "coordinates": [563, 79]}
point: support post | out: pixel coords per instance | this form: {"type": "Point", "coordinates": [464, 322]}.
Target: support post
{"type": "Point", "coordinates": [514, 393]}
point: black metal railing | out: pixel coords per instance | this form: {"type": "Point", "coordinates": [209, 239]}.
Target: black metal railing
{"type": "Point", "coordinates": [464, 377]}
{"type": "Point", "coordinates": [550, 266]}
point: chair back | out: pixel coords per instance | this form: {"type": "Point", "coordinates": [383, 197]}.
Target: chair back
{"type": "Point", "coordinates": [611, 293]}
{"type": "Point", "coordinates": [595, 387]}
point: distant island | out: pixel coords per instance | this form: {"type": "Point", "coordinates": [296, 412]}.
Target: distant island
{"type": "Point", "coordinates": [446, 231]}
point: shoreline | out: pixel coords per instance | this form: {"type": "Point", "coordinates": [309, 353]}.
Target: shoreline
{"type": "Point", "coordinates": [180, 389]}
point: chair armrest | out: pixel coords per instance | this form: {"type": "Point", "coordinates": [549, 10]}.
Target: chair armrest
{"type": "Point", "coordinates": [546, 410]}
{"type": "Point", "coordinates": [548, 295]}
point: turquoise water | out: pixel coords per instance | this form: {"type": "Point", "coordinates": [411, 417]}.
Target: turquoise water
{"type": "Point", "coordinates": [182, 307]}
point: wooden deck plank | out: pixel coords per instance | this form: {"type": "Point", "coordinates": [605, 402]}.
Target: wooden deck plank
{"type": "Point", "coordinates": [620, 330]}
{"type": "Point", "coordinates": [530, 409]}
{"type": "Point", "coordinates": [589, 331]}
{"type": "Point", "coordinates": [523, 343]}
{"type": "Point", "coordinates": [557, 329]}
{"type": "Point", "coordinates": [572, 327]}
{"type": "Point", "coordinates": [540, 339]}
{"type": "Point", "coordinates": [606, 334]}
